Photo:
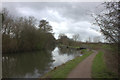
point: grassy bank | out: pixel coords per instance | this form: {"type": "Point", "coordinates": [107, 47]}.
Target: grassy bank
{"type": "Point", "coordinates": [99, 68]}
{"type": "Point", "coordinates": [63, 70]}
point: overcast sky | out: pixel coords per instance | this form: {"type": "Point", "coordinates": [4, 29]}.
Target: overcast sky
{"type": "Point", "coordinates": [65, 17]}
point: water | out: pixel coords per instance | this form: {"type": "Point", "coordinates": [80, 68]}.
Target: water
{"type": "Point", "coordinates": [35, 64]}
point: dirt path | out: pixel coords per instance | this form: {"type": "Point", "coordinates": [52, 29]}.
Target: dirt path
{"type": "Point", "coordinates": [83, 69]}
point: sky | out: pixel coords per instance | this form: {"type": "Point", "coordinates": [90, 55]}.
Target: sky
{"type": "Point", "coordinates": [68, 18]}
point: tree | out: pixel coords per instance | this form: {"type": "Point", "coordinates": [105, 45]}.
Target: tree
{"type": "Point", "coordinates": [75, 37]}
{"type": "Point", "coordinates": [63, 39]}
{"type": "Point", "coordinates": [44, 25]}
{"type": "Point", "coordinates": [108, 21]}
{"type": "Point", "coordinates": [61, 35]}
{"type": "Point", "coordinates": [20, 34]}
{"type": "Point", "coordinates": [7, 22]}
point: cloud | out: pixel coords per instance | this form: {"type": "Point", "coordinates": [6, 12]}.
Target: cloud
{"type": "Point", "coordinates": [77, 11]}
{"type": "Point", "coordinates": [84, 29]}
{"type": "Point", "coordinates": [65, 17]}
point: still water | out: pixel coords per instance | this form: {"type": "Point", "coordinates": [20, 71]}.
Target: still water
{"type": "Point", "coordinates": [35, 64]}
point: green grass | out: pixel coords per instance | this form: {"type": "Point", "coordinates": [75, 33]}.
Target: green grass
{"type": "Point", "coordinates": [63, 70]}
{"type": "Point", "coordinates": [99, 68]}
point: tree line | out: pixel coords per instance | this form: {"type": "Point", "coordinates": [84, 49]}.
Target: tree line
{"type": "Point", "coordinates": [22, 34]}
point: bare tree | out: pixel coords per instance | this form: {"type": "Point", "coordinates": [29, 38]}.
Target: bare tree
{"type": "Point", "coordinates": [108, 21]}
{"type": "Point", "coordinates": [75, 37]}
{"type": "Point", "coordinates": [7, 22]}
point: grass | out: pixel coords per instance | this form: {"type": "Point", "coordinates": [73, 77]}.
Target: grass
{"type": "Point", "coordinates": [99, 68]}
{"type": "Point", "coordinates": [63, 70]}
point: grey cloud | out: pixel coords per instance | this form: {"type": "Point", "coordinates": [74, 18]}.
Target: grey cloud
{"type": "Point", "coordinates": [74, 14]}
{"type": "Point", "coordinates": [81, 11]}
{"type": "Point", "coordinates": [77, 11]}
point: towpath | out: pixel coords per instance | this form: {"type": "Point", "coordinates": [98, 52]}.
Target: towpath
{"type": "Point", "coordinates": [84, 68]}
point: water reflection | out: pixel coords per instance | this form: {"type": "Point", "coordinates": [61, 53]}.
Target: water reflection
{"type": "Point", "coordinates": [35, 64]}
{"type": "Point", "coordinates": [26, 65]}
{"type": "Point", "coordinates": [62, 55]}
